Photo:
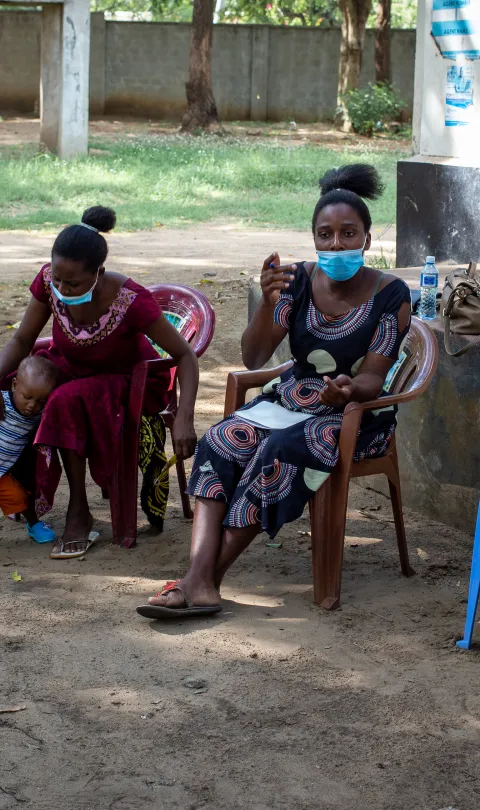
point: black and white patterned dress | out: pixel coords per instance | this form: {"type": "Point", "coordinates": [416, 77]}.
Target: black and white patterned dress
{"type": "Point", "coordinates": [267, 476]}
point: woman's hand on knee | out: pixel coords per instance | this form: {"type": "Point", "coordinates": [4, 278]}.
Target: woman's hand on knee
{"type": "Point", "coordinates": [184, 437]}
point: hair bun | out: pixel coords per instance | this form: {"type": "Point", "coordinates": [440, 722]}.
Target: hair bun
{"type": "Point", "coordinates": [101, 218]}
{"type": "Point", "coordinates": [360, 178]}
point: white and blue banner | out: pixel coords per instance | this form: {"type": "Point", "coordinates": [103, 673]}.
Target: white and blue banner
{"type": "Point", "coordinates": [456, 28]}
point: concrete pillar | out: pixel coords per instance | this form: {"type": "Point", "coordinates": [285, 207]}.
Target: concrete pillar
{"type": "Point", "coordinates": [50, 76]}
{"type": "Point", "coordinates": [64, 78]}
{"type": "Point", "coordinates": [259, 75]}
{"type": "Point", "coordinates": [439, 187]}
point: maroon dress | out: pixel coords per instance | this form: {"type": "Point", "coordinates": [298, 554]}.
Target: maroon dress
{"type": "Point", "coordinates": [85, 412]}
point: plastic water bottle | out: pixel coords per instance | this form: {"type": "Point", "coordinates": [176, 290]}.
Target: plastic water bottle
{"type": "Point", "coordinates": [428, 290]}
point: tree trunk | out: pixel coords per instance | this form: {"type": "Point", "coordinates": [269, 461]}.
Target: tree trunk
{"type": "Point", "coordinates": [202, 113]}
{"type": "Point", "coordinates": [383, 66]}
{"type": "Point", "coordinates": [354, 19]}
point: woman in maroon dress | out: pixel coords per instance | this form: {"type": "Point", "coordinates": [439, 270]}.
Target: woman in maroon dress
{"type": "Point", "coordinates": [100, 320]}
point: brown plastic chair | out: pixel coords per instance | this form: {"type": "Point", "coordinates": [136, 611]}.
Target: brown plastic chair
{"type": "Point", "coordinates": [328, 507]}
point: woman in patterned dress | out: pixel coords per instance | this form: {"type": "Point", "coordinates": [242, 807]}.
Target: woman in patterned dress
{"type": "Point", "coordinates": [346, 323]}
{"type": "Point", "coordinates": [100, 323]}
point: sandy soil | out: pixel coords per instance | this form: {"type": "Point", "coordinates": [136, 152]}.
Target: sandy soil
{"type": "Point", "coordinates": [369, 707]}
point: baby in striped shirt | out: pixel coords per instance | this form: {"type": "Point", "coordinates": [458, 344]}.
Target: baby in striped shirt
{"type": "Point", "coordinates": [22, 410]}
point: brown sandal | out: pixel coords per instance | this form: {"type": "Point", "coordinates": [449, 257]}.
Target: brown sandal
{"type": "Point", "coordinates": [162, 612]}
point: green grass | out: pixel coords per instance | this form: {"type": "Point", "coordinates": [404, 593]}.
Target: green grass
{"type": "Point", "coordinates": [171, 180]}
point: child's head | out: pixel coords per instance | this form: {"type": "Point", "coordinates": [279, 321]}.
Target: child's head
{"type": "Point", "coordinates": [36, 378]}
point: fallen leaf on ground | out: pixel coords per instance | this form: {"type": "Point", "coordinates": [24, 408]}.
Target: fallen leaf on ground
{"type": "Point", "coordinates": [16, 576]}
{"type": "Point", "coordinates": [11, 709]}
{"type": "Point", "coordinates": [422, 554]}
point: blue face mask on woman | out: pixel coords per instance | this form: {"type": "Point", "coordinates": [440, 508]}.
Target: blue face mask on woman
{"type": "Point", "coordinates": [341, 265]}
{"type": "Point", "coordinates": [75, 300]}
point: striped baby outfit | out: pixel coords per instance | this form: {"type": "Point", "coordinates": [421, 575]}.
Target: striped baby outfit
{"type": "Point", "coordinates": [15, 431]}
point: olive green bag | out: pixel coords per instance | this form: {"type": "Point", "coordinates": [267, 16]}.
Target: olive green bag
{"type": "Point", "coordinates": [460, 307]}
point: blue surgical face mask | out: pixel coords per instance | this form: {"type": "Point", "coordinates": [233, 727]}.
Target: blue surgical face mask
{"type": "Point", "coordinates": [75, 300]}
{"type": "Point", "coordinates": [341, 265]}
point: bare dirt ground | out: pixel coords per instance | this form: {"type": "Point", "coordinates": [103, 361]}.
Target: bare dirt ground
{"type": "Point", "coordinates": [368, 708]}
{"type": "Point", "coordinates": [18, 129]}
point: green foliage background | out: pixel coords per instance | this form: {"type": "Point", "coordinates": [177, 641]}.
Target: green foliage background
{"type": "Point", "coordinates": [273, 12]}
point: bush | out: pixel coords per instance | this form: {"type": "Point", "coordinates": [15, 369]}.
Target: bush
{"type": "Point", "coordinates": [373, 108]}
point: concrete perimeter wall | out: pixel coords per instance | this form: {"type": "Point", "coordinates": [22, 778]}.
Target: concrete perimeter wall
{"type": "Point", "coordinates": [259, 72]}
{"type": "Point", "coordinates": [19, 60]}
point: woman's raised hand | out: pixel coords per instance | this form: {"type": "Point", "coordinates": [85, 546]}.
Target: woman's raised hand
{"type": "Point", "coordinates": [275, 278]}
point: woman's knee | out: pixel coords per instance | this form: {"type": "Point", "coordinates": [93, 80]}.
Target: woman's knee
{"type": "Point", "coordinates": [234, 439]}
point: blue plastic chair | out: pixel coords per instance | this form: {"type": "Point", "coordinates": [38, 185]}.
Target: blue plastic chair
{"type": "Point", "coordinates": [473, 590]}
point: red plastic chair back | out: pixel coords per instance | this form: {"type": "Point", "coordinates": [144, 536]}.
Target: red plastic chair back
{"type": "Point", "coordinates": [192, 305]}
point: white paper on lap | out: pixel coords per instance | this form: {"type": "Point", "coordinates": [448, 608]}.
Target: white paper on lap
{"type": "Point", "coordinates": [272, 416]}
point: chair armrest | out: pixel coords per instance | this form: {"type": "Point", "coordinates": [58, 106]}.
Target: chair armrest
{"type": "Point", "coordinates": [163, 362]}
{"type": "Point", "coordinates": [388, 401]}
{"type": "Point", "coordinates": [352, 417]}
{"type": "Point", "coordinates": [239, 382]}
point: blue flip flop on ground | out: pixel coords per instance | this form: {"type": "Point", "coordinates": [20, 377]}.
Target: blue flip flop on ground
{"type": "Point", "coordinates": [41, 533]}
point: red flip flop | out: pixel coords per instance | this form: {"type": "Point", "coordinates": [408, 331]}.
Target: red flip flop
{"type": "Point", "coordinates": [162, 612]}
